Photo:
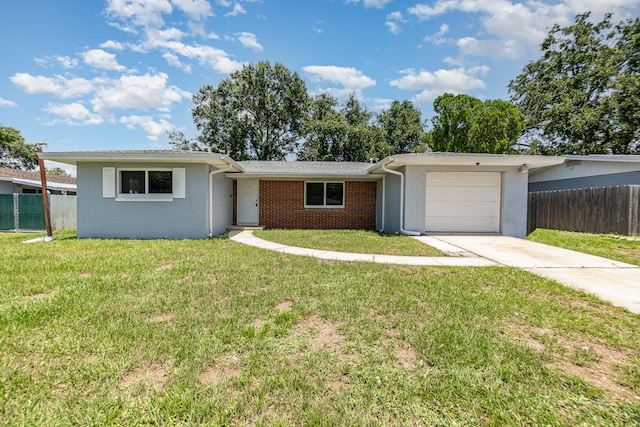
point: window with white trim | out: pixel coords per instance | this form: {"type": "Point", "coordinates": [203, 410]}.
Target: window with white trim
{"type": "Point", "coordinates": [324, 194]}
{"type": "Point", "coordinates": [146, 181]}
{"type": "Point", "coordinates": [157, 184]}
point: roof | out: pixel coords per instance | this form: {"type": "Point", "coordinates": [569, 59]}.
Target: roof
{"type": "Point", "coordinates": [300, 169]}
{"type": "Point", "coordinates": [304, 169]}
{"type": "Point", "coordinates": [466, 159]}
{"type": "Point", "coordinates": [156, 156]}
{"type": "Point", "coordinates": [32, 179]}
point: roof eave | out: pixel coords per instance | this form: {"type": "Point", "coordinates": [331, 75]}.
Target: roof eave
{"type": "Point", "coordinates": [467, 160]}
{"type": "Point", "coordinates": [300, 176]}
{"type": "Point", "coordinates": [72, 158]}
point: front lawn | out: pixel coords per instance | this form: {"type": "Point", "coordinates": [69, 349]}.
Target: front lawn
{"type": "Point", "coordinates": [619, 248]}
{"type": "Point", "coordinates": [212, 332]}
{"type": "Point", "coordinates": [366, 242]}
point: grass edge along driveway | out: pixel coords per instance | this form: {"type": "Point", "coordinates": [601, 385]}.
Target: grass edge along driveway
{"type": "Point", "coordinates": [211, 332]}
{"type": "Point", "coordinates": [359, 241]}
{"type": "Point", "coordinates": [619, 248]}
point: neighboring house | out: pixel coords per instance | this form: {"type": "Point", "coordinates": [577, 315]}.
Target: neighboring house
{"type": "Point", "coordinates": [184, 194]}
{"type": "Point", "coordinates": [27, 182]}
{"type": "Point", "coordinates": [587, 171]}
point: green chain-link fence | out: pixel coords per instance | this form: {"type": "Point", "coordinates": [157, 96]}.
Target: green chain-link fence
{"type": "Point", "coordinates": [29, 213]}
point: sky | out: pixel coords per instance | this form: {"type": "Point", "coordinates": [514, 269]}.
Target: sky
{"type": "Point", "coordinates": [119, 74]}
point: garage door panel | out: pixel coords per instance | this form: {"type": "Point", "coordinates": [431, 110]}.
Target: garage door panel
{"type": "Point", "coordinates": [461, 209]}
{"type": "Point", "coordinates": [463, 201]}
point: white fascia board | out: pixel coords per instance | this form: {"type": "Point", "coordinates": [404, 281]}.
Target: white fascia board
{"type": "Point", "coordinates": [624, 158]}
{"type": "Point", "coordinates": [302, 177]}
{"type": "Point", "coordinates": [72, 158]}
{"type": "Point", "coordinates": [467, 160]}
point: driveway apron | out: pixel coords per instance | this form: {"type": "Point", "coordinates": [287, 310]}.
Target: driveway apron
{"type": "Point", "coordinates": [613, 281]}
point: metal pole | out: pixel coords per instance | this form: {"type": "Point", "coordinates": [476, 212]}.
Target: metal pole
{"type": "Point", "coordinates": [45, 196]}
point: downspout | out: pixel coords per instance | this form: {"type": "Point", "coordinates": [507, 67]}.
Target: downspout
{"type": "Point", "coordinates": [229, 166]}
{"type": "Point", "coordinates": [384, 179]}
{"type": "Point", "coordinates": [402, 230]}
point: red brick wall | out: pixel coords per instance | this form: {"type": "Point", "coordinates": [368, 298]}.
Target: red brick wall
{"type": "Point", "coordinates": [282, 206]}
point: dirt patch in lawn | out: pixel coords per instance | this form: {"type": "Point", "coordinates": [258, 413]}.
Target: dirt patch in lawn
{"type": "Point", "coordinates": [223, 370]}
{"type": "Point", "coordinates": [284, 306]}
{"type": "Point", "coordinates": [186, 278]}
{"type": "Point", "coordinates": [324, 335]}
{"type": "Point", "coordinates": [162, 317]}
{"type": "Point", "coordinates": [164, 267]}
{"type": "Point", "coordinates": [42, 294]}
{"type": "Point", "coordinates": [592, 362]}
{"type": "Point", "coordinates": [152, 375]}
{"type": "Point", "coordinates": [406, 354]}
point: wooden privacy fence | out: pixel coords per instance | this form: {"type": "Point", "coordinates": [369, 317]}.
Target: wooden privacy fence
{"type": "Point", "coordinates": [590, 210]}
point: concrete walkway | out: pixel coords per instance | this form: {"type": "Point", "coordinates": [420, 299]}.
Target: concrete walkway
{"type": "Point", "coordinates": [613, 281]}
{"type": "Point", "coordinates": [470, 260]}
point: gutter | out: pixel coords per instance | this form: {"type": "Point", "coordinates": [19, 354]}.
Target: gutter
{"type": "Point", "coordinates": [229, 166]}
{"type": "Point", "coordinates": [402, 230]}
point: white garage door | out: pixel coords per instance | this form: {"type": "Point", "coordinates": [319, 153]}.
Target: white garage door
{"type": "Point", "coordinates": [463, 202]}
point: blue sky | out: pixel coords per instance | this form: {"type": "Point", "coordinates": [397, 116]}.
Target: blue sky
{"type": "Point", "coordinates": [118, 74]}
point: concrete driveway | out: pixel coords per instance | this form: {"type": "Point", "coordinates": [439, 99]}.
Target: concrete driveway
{"type": "Point", "coordinates": [613, 281]}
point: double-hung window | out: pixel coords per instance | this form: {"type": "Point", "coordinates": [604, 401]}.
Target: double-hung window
{"type": "Point", "coordinates": [324, 194]}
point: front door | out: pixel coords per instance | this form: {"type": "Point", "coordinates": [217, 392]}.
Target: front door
{"type": "Point", "coordinates": [248, 202]}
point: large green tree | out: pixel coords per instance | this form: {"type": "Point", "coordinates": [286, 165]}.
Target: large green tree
{"type": "Point", "coordinates": [465, 124]}
{"type": "Point", "coordinates": [403, 127]}
{"type": "Point", "coordinates": [342, 134]}
{"type": "Point", "coordinates": [326, 129]}
{"type": "Point", "coordinates": [14, 152]}
{"type": "Point", "coordinates": [581, 96]}
{"type": "Point", "coordinates": [257, 113]}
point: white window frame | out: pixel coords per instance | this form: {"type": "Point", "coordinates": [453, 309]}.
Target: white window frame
{"type": "Point", "coordinates": [146, 196]}
{"type": "Point", "coordinates": [324, 197]}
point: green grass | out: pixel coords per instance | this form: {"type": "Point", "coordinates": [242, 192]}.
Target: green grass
{"type": "Point", "coordinates": [211, 332]}
{"type": "Point", "coordinates": [367, 242]}
{"type": "Point", "coordinates": [619, 248]}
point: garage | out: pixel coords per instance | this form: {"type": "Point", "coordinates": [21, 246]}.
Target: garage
{"type": "Point", "coordinates": [463, 202]}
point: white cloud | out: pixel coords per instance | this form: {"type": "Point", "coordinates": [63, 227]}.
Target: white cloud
{"type": "Point", "coordinates": [394, 19]}
{"type": "Point", "coordinates": [57, 85]}
{"type": "Point", "coordinates": [215, 58]}
{"type": "Point", "coordinates": [512, 29]}
{"type": "Point", "coordinates": [159, 38]}
{"type": "Point", "coordinates": [349, 77]}
{"type": "Point", "coordinates": [237, 10]}
{"type": "Point", "coordinates": [249, 40]}
{"type": "Point", "coordinates": [153, 128]}
{"type": "Point", "coordinates": [7, 103]}
{"type": "Point", "coordinates": [136, 92]}
{"type": "Point", "coordinates": [436, 38]}
{"type": "Point", "coordinates": [67, 62]}
{"type": "Point", "coordinates": [393, 27]}
{"type": "Point", "coordinates": [99, 58]}
{"type": "Point", "coordinates": [196, 9]}
{"type": "Point", "coordinates": [144, 92]}
{"type": "Point", "coordinates": [174, 61]}
{"type": "Point", "coordinates": [74, 114]}
{"type": "Point", "coordinates": [113, 45]}
{"type": "Point", "coordinates": [433, 84]}
{"type": "Point", "coordinates": [146, 13]}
